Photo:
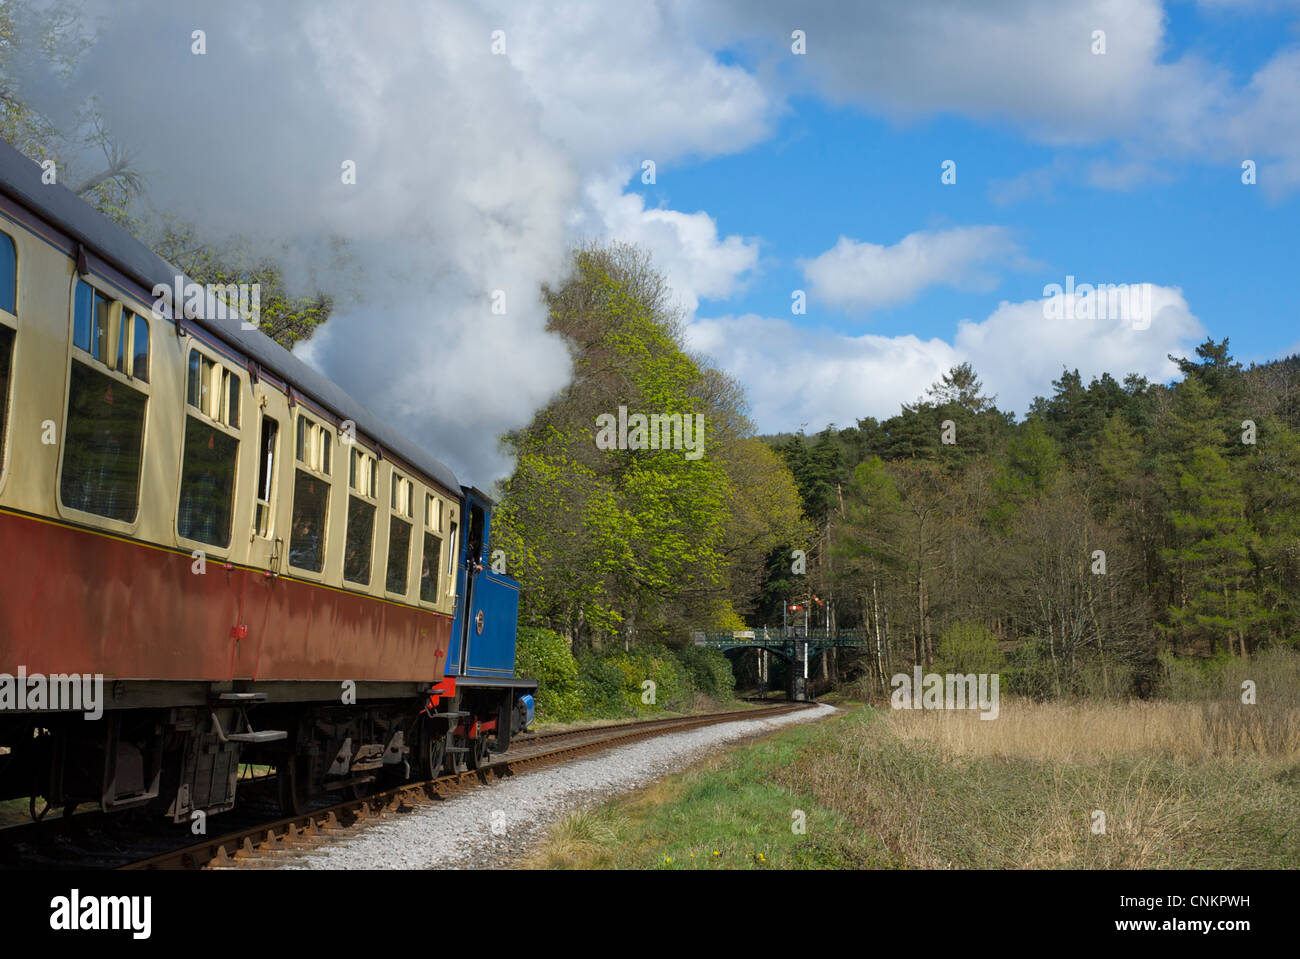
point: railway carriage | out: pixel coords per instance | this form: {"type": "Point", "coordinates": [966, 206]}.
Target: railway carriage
{"type": "Point", "coordinates": [259, 569]}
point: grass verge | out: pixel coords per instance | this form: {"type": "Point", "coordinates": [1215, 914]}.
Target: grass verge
{"type": "Point", "coordinates": [1032, 789]}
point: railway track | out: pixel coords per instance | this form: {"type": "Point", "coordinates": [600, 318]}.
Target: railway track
{"type": "Point", "coordinates": [97, 841]}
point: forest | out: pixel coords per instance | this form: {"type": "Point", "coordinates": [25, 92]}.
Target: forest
{"type": "Point", "coordinates": [1116, 525]}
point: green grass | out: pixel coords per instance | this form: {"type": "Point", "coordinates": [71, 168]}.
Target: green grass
{"type": "Point", "coordinates": [873, 798]}
{"type": "Point", "coordinates": [723, 813]}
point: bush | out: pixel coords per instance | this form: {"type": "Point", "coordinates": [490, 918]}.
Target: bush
{"type": "Point", "coordinates": [1197, 679]}
{"type": "Point", "coordinates": [709, 671]}
{"type": "Point", "coordinates": [1106, 678]}
{"type": "Point", "coordinates": [672, 683]}
{"type": "Point", "coordinates": [968, 646]}
{"type": "Point", "coordinates": [544, 655]}
{"type": "Point", "coordinates": [609, 684]}
{"type": "Point", "coordinates": [1029, 671]}
{"type": "Point", "coordinates": [1269, 724]}
{"type": "Point", "coordinates": [600, 683]}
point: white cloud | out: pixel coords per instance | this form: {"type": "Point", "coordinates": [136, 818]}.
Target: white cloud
{"type": "Point", "coordinates": [1019, 350]}
{"type": "Point", "coordinates": [795, 377]}
{"type": "Point", "coordinates": [470, 172]}
{"type": "Point", "coordinates": [799, 377]}
{"type": "Point", "coordinates": [685, 246]}
{"type": "Point", "coordinates": [1031, 63]}
{"type": "Point", "coordinates": [1272, 104]}
{"type": "Point", "coordinates": [858, 275]}
{"type": "Point", "coordinates": [628, 82]}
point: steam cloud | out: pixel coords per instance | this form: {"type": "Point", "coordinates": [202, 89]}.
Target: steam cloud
{"type": "Point", "coordinates": [458, 191]}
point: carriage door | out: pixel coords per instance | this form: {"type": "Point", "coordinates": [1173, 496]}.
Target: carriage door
{"type": "Point", "coordinates": [466, 578]}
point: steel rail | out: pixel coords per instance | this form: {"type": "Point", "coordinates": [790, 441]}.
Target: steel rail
{"type": "Point", "coordinates": [284, 834]}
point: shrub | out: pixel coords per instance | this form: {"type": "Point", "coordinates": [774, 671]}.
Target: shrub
{"type": "Point", "coordinates": [709, 671]}
{"type": "Point", "coordinates": [1029, 671]}
{"type": "Point", "coordinates": [609, 684]}
{"type": "Point", "coordinates": [600, 684]}
{"type": "Point", "coordinates": [544, 655]}
{"type": "Point", "coordinates": [672, 689]}
{"type": "Point", "coordinates": [968, 646]}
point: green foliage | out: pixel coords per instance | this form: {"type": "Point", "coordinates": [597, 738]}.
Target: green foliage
{"type": "Point", "coordinates": [1030, 671]}
{"type": "Point", "coordinates": [968, 646]}
{"type": "Point", "coordinates": [1120, 518]}
{"type": "Point", "coordinates": [646, 543]}
{"type": "Point", "coordinates": [709, 671]}
{"type": "Point", "coordinates": [657, 664]}
{"type": "Point", "coordinates": [543, 655]}
{"type": "Point", "coordinates": [1032, 463]}
{"type": "Point", "coordinates": [285, 318]}
{"type": "Point", "coordinates": [601, 687]}
{"type": "Point", "coordinates": [817, 468]}
{"type": "Point", "coordinates": [609, 684]}
{"type": "Point", "coordinates": [1187, 679]}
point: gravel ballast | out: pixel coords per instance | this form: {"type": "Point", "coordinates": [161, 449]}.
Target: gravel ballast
{"type": "Point", "coordinates": [497, 824]}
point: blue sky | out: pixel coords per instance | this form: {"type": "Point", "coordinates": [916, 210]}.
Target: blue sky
{"type": "Point", "coordinates": [481, 163]}
{"type": "Point", "coordinates": [1177, 218]}
{"type": "Point", "coordinates": [829, 172]}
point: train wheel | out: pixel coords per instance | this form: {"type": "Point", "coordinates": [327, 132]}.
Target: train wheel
{"type": "Point", "coordinates": [433, 754]}
{"type": "Point", "coordinates": [477, 757]}
{"type": "Point", "coordinates": [292, 781]}
{"type": "Point", "coordinates": [357, 791]}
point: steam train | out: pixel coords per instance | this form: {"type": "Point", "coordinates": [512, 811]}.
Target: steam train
{"type": "Point", "coordinates": [211, 555]}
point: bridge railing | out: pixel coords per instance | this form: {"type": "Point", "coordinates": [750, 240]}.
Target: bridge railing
{"type": "Point", "coordinates": [816, 639]}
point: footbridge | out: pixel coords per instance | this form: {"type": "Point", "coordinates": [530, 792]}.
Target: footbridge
{"type": "Point", "coordinates": [796, 645]}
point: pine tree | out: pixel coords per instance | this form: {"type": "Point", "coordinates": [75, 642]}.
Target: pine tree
{"type": "Point", "coordinates": [1210, 555]}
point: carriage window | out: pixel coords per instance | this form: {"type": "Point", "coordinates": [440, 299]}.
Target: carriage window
{"type": "Point", "coordinates": [213, 390]}
{"type": "Point", "coordinates": [363, 473]}
{"type": "Point", "coordinates": [140, 349]}
{"type": "Point", "coordinates": [102, 445]}
{"type": "Point", "coordinates": [431, 568]}
{"type": "Point", "coordinates": [92, 315]}
{"type": "Point", "coordinates": [230, 398]}
{"type": "Point", "coordinates": [207, 483]}
{"type": "Point", "coordinates": [399, 553]}
{"type": "Point", "coordinates": [265, 475]}
{"type": "Point", "coordinates": [122, 341]}
{"type": "Point", "coordinates": [399, 535]}
{"type": "Point", "coordinates": [207, 497]}
{"type": "Point", "coordinates": [131, 352]}
{"type": "Point", "coordinates": [311, 496]}
{"type": "Point", "coordinates": [431, 563]}
{"type": "Point", "coordinates": [361, 518]}
{"type": "Point", "coordinates": [400, 499]}
{"type": "Point", "coordinates": [6, 362]}
{"type": "Point", "coordinates": [361, 538]}
{"type": "Point", "coordinates": [8, 274]}
{"type": "Point", "coordinates": [312, 447]}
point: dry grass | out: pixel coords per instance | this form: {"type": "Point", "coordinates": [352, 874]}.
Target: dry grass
{"type": "Point", "coordinates": [946, 789]}
{"type": "Point", "coordinates": [578, 836]}
{"type": "Point", "coordinates": [1085, 731]}
{"type": "Point", "coordinates": [942, 790]}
